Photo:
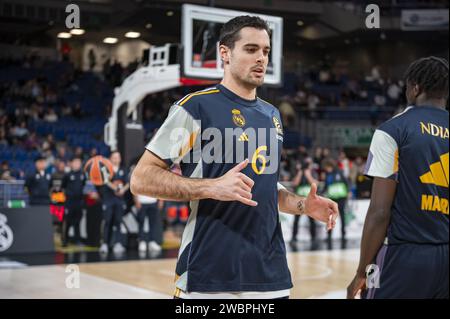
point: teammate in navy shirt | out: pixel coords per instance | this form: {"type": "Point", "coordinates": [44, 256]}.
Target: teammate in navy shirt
{"type": "Point", "coordinates": [404, 249]}
{"type": "Point", "coordinates": [228, 143]}
{"type": "Point", "coordinates": [114, 205]}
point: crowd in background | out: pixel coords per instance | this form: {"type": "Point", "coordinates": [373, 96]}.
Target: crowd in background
{"type": "Point", "coordinates": [336, 176]}
{"type": "Point", "coordinates": [40, 99]}
{"type": "Point", "coordinates": [309, 91]}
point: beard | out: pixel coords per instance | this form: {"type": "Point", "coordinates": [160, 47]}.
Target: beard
{"type": "Point", "coordinates": [256, 81]}
{"type": "Point", "coordinates": [249, 81]}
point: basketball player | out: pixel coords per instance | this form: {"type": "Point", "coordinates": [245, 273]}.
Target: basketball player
{"type": "Point", "coordinates": [232, 246]}
{"type": "Point", "coordinates": [113, 205]}
{"type": "Point", "coordinates": [404, 247]}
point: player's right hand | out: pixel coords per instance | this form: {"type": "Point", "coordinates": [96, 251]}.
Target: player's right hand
{"type": "Point", "coordinates": [234, 186]}
{"type": "Point", "coordinates": [358, 284]}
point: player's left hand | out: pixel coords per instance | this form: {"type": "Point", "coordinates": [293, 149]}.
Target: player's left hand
{"type": "Point", "coordinates": [358, 283]}
{"type": "Point", "coordinates": [321, 208]}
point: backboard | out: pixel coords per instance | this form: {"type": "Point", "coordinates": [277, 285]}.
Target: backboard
{"type": "Point", "coordinates": [200, 29]}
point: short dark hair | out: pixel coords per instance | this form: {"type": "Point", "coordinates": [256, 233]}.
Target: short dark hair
{"type": "Point", "coordinates": [431, 75]}
{"type": "Point", "coordinates": [229, 33]}
{"type": "Point", "coordinates": [328, 162]}
{"type": "Point", "coordinates": [39, 158]}
{"type": "Point", "coordinates": [76, 157]}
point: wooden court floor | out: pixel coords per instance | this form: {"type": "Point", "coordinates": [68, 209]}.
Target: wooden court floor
{"type": "Point", "coordinates": [315, 274]}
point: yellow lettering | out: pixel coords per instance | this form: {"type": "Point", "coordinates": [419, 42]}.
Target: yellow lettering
{"type": "Point", "coordinates": [435, 130]}
{"type": "Point", "coordinates": [444, 206]}
{"type": "Point", "coordinates": [425, 128]}
{"type": "Point", "coordinates": [259, 157]}
{"type": "Point", "coordinates": [436, 204]}
{"type": "Point", "coordinates": [427, 202]}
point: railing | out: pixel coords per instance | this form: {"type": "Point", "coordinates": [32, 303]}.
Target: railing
{"type": "Point", "coordinates": [12, 193]}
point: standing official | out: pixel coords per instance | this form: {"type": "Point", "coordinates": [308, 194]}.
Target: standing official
{"type": "Point", "coordinates": [73, 184]}
{"type": "Point", "coordinates": [38, 184]}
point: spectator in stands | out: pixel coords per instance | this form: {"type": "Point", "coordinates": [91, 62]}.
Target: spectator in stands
{"type": "Point", "coordinates": [353, 87]}
{"type": "Point", "coordinates": [3, 139]}
{"type": "Point", "coordinates": [77, 112]}
{"type": "Point", "coordinates": [51, 116]}
{"type": "Point", "coordinates": [62, 153]}
{"type": "Point", "coordinates": [36, 89]}
{"type": "Point", "coordinates": [59, 168]}
{"type": "Point", "coordinates": [38, 183]}
{"type": "Point", "coordinates": [357, 168]}
{"type": "Point", "coordinates": [300, 98]}
{"type": "Point", "coordinates": [326, 153]}
{"type": "Point", "coordinates": [302, 154]}
{"type": "Point", "coordinates": [50, 158]}
{"type": "Point", "coordinates": [78, 152]}
{"type": "Point", "coordinates": [35, 112]}
{"type": "Point", "coordinates": [287, 112]}
{"type": "Point", "coordinates": [7, 176]}
{"type": "Point", "coordinates": [32, 142]}
{"type": "Point", "coordinates": [4, 121]}
{"type": "Point", "coordinates": [318, 156]}
{"type": "Point", "coordinates": [379, 100]}
{"type": "Point", "coordinates": [50, 97]}
{"type": "Point", "coordinates": [344, 164]}
{"type": "Point", "coordinates": [324, 76]}
{"type": "Point", "coordinates": [20, 131]}
{"type": "Point", "coordinates": [285, 175]}
{"type": "Point", "coordinates": [393, 92]}
{"type": "Point", "coordinates": [5, 172]}
{"type": "Point", "coordinates": [48, 144]}
{"type": "Point", "coordinates": [374, 74]}
{"type": "Point", "coordinates": [66, 110]}
{"type": "Point", "coordinates": [363, 95]}
{"type": "Point", "coordinates": [313, 102]}
{"type": "Point", "coordinates": [362, 185]}
{"type": "Point", "coordinates": [4, 166]}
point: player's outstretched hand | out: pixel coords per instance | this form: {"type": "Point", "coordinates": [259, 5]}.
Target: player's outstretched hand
{"type": "Point", "coordinates": [234, 186]}
{"type": "Point", "coordinates": [321, 208]}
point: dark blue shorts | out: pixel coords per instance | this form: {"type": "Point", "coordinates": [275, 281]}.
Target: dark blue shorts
{"type": "Point", "coordinates": [409, 271]}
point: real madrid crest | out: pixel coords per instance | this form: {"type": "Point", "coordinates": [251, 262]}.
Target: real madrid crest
{"type": "Point", "coordinates": [6, 234]}
{"type": "Point", "coordinates": [238, 119]}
